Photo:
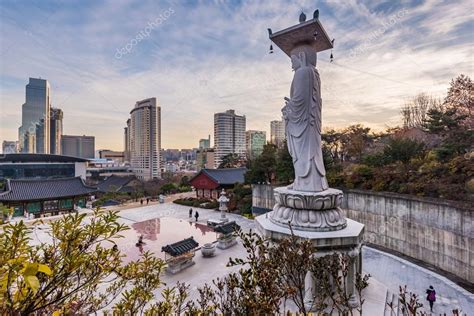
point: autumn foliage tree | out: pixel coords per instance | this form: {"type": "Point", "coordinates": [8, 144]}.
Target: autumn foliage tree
{"type": "Point", "coordinates": [79, 272]}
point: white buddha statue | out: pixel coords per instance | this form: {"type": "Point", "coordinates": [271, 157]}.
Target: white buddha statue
{"type": "Point", "coordinates": [302, 114]}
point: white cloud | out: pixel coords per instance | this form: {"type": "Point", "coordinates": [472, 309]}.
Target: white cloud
{"type": "Point", "coordinates": [213, 57]}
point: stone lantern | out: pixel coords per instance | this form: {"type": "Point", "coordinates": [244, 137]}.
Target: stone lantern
{"type": "Point", "coordinates": [223, 200]}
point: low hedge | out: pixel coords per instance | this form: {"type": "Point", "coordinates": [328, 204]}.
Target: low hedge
{"type": "Point", "coordinates": [195, 202]}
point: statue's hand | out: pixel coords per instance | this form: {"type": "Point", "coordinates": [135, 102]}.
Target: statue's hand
{"type": "Point", "coordinates": [284, 111]}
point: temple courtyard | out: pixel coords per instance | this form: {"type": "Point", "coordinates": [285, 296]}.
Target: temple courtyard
{"type": "Point", "coordinates": [165, 223]}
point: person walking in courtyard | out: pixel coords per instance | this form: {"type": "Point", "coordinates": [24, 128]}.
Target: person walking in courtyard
{"type": "Point", "coordinates": [141, 202]}
{"type": "Point", "coordinates": [147, 201]}
{"type": "Point", "coordinates": [196, 215]}
{"type": "Point", "coordinates": [431, 296]}
{"type": "Point", "coordinates": [190, 212]}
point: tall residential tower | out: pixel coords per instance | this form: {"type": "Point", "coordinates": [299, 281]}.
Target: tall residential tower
{"type": "Point", "coordinates": [145, 139]}
{"type": "Point", "coordinates": [229, 135]}
{"type": "Point", "coordinates": [277, 132]}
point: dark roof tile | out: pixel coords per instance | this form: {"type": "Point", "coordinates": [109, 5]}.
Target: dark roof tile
{"type": "Point", "coordinates": [115, 183]}
{"type": "Point", "coordinates": [226, 176]}
{"type": "Point", "coordinates": [31, 190]}
{"type": "Point", "coordinates": [180, 247]}
{"type": "Point", "coordinates": [227, 228]}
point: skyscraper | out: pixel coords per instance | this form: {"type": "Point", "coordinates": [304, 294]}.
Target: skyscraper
{"type": "Point", "coordinates": [255, 140]}
{"type": "Point", "coordinates": [145, 139]}
{"type": "Point", "coordinates": [277, 132]}
{"type": "Point", "coordinates": [78, 146]}
{"type": "Point", "coordinates": [33, 134]}
{"type": "Point", "coordinates": [229, 135]}
{"type": "Point", "coordinates": [56, 130]}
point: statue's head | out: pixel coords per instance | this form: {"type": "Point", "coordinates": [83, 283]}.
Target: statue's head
{"type": "Point", "coordinates": [295, 62]}
{"type": "Point", "coordinates": [307, 51]}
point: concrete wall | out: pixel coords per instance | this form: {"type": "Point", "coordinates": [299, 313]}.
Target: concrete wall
{"type": "Point", "coordinates": [262, 198]}
{"type": "Point", "coordinates": [437, 232]}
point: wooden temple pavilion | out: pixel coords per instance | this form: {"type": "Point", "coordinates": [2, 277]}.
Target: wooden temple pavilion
{"type": "Point", "coordinates": [179, 255]}
{"type": "Point", "coordinates": [226, 235]}
{"type": "Point", "coordinates": [45, 197]}
{"type": "Point", "coordinates": [210, 182]}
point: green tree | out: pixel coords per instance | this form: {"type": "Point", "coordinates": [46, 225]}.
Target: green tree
{"type": "Point", "coordinates": [262, 169]}
{"type": "Point", "coordinates": [285, 172]}
{"type": "Point", "coordinates": [402, 149]}
{"type": "Point", "coordinates": [168, 188]}
{"type": "Point", "coordinates": [184, 182]}
{"type": "Point", "coordinates": [231, 161]}
{"type": "Point", "coordinates": [5, 212]}
{"type": "Point", "coordinates": [457, 138]}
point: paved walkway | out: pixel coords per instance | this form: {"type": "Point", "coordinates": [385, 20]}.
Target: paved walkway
{"type": "Point", "coordinates": [393, 271]}
{"type": "Point", "coordinates": [388, 271]}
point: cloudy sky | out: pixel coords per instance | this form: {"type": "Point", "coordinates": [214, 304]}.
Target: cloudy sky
{"type": "Point", "coordinates": [202, 57]}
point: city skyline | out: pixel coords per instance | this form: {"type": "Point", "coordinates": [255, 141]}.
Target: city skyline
{"type": "Point", "coordinates": [214, 60]}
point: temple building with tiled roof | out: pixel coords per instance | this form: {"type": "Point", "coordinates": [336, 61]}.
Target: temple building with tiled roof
{"type": "Point", "coordinates": [210, 182]}
{"type": "Point", "coordinates": [45, 197]}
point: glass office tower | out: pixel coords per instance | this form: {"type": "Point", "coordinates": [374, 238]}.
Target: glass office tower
{"type": "Point", "coordinates": [34, 133]}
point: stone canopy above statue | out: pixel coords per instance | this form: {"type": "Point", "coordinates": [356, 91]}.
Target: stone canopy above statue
{"type": "Point", "coordinates": [309, 33]}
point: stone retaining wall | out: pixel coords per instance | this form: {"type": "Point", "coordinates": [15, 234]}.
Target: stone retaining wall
{"type": "Point", "coordinates": [440, 233]}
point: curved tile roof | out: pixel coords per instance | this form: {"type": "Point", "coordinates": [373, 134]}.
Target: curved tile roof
{"type": "Point", "coordinates": [180, 247]}
{"type": "Point", "coordinates": [33, 190]}
{"type": "Point", "coordinates": [227, 228]}
{"type": "Point", "coordinates": [226, 176]}
{"type": "Point", "coordinates": [115, 183]}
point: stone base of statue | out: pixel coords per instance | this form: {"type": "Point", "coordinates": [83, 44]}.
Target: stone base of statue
{"type": "Point", "coordinates": [315, 216]}
{"type": "Point", "coordinates": [311, 211]}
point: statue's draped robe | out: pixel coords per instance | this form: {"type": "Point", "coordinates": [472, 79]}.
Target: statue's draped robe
{"type": "Point", "coordinates": [303, 130]}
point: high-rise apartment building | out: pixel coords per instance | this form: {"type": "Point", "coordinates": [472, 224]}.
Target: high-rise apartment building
{"type": "Point", "coordinates": [145, 139]}
{"type": "Point", "coordinates": [33, 134]}
{"type": "Point", "coordinates": [229, 135]}
{"type": "Point", "coordinates": [78, 146]}
{"type": "Point", "coordinates": [277, 132]}
{"type": "Point", "coordinates": [255, 140]}
{"type": "Point", "coordinates": [56, 130]}
{"type": "Point", "coordinates": [9, 147]}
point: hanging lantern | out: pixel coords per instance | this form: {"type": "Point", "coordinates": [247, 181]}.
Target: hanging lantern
{"type": "Point", "coordinates": [331, 58]}
{"type": "Point", "coordinates": [271, 49]}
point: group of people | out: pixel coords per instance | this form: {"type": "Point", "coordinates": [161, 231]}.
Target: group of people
{"type": "Point", "coordinates": [196, 214]}
{"type": "Point", "coordinates": [147, 201]}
